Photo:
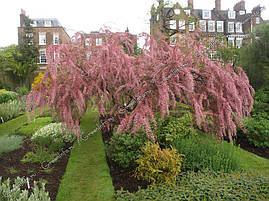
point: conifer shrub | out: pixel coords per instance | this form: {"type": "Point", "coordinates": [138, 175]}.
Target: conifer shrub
{"type": "Point", "coordinates": [204, 152]}
{"type": "Point", "coordinates": [158, 165]}
{"type": "Point", "coordinates": [204, 185]}
{"type": "Point", "coordinates": [14, 192]}
{"type": "Point", "coordinates": [124, 148]}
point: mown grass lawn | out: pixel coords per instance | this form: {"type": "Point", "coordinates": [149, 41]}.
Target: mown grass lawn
{"type": "Point", "coordinates": [87, 174]}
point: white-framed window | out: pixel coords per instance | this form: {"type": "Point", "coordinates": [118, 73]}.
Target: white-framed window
{"type": "Point", "coordinates": [98, 41]}
{"type": "Point", "coordinates": [47, 23]}
{"type": "Point", "coordinates": [211, 26]}
{"type": "Point", "coordinates": [242, 12]}
{"type": "Point", "coordinates": [42, 38]}
{"type": "Point", "coordinates": [177, 11]}
{"type": "Point", "coordinates": [258, 20]}
{"type": "Point", "coordinates": [239, 42]}
{"type": "Point", "coordinates": [231, 27]}
{"type": "Point", "coordinates": [188, 12]}
{"type": "Point", "coordinates": [192, 26]}
{"type": "Point", "coordinates": [206, 14]}
{"type": "Point", "coordinates": [55, 38]}
{"type": "Point", "coordinates": [231, 41]}
{"type": "Point", "coordinates": [34, 23]}
{"type": "Point", "coordinates": [220, 26]}
{"type": "Point", "coordinates": [238, 27]}
{"type": "Point", "coordinates": [42, 56]}
{"type": "Point", "coordinates": [231, 14]}
{"type": "Point", "coordinates": [181, 24]}
{"type": "Point", "coordinates": [157, 17]}
{"type": "Point", "coordinates": [203, 25]}
{"type": "Point", "coordinates": [87, 41]}
{"type": "Point", "coordinates": [173, 24]}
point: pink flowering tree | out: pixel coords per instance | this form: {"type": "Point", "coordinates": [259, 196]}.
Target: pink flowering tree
{"type": "Point", "coordinates": [131, 88]}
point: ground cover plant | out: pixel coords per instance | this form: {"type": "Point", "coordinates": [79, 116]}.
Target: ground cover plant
{"type": "Point", "coordinates": [205, 185]}
{"type": "Point", "coordinates": [14, 192]}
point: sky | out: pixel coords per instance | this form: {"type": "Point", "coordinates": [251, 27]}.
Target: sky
{"type": "Point", "coordinates": [92, 15]}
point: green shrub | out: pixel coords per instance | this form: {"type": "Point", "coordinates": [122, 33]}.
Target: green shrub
{"type": "Point", "coordinates": [205, 185]}
{"type": "Point", "coordinates": [125, 148]}
{"type": "Point", "coordinates": [257, 131]}
{"type": "Point", "coordinates": [38, 157]}
{"type": "Point", "coordinates": [12, 109]}
{"type": "Point", "coordinates": [22, 90]}
{"type": "Point", "coordinates": [174, 128]}
{"type": "Point", "coordinates": [15, 193]}
{"type": "Point", "coordinates": [202, 152]}
{"type": "Point", "coordinates": [6, 96]}
{"type": "Point", "coordinates": [158, 166]}
{"type": "Point", "coordinates": [10, 143]}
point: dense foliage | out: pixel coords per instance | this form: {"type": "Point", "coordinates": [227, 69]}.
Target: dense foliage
{"type": "Point", "coordinates": [202, 152]}
{"type": "Point", "coordinates": [130, 88]}
{"type": "Point", "coordinates": [124, 148]}
{"type": "Point", "coordinates": [158, 165]}
{"type": "Point", "coordinates": [6, 96]}
{"type": "Point", "coordinates": [255, 57]}
{"type": "Point", "coordinates": [205, 185]}
{"type": "Point", "coordinates": [8, 193]}
{"type": "Point", "coordinates": [172, 129]}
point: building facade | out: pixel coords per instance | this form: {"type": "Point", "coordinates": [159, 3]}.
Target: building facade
{"type": "Point", "coordinates": [46, 31]}
{"type": "Point", "coordinates": [234, 24]}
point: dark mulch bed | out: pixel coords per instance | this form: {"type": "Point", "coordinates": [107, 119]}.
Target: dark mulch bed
{"type": "Point", "coordinates": [244, 144]}
{"type": "Point", "coordinates": [122, 178]}
{"type": "Point", "coordinates": [12, 160]}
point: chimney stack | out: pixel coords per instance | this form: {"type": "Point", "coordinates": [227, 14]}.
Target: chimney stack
{"type": "Point", "coordinates": [217, 4]}
{"type": "Point", "coordinates": [190, 3]}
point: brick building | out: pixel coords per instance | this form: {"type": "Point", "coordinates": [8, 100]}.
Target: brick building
{"type": "Point", "coordinates": [46, 31]}
{"type": "Point", "coordinates": [234, 24]}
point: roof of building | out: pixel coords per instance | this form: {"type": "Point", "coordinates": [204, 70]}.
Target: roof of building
{"type": "Point", "coordinates": [40, 22]}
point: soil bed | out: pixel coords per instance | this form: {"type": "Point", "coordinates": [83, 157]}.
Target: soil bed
{"type": "Point", "coordinates": [53, 178]}
{"type": "Point", "coordinates": [244, 144]}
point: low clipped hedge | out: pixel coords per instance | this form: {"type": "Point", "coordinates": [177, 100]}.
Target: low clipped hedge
{"type": "Point", "coordinates": [205, 185]}
{"type": "Point", "coordinates": [6, 96]}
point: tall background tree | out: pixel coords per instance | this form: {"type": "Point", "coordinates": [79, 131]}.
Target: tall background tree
{"type": "Point", "coordinates": [254, 57]}
{"type": "Point", "coordinates": [20, 61]}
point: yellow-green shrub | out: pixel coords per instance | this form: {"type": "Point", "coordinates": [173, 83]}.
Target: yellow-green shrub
{"type": "Point", "coordinates": [157, 165]}
{"type": "Point", "coordinates": [37, 80]}
{"type": "Point", "coordinates": [2, 90]}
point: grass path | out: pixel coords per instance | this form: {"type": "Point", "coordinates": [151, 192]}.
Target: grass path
{"type": "Point", "coordinates": [87, 175]}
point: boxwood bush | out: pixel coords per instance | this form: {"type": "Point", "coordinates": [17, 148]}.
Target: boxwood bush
{"type": "Point", "coordinates": [124, 148]}
{"type": "Point", "coordinates": [204, 185]}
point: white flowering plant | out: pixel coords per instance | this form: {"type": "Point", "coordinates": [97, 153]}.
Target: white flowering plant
{"type": "Point", "coordinates": [53, 136]}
